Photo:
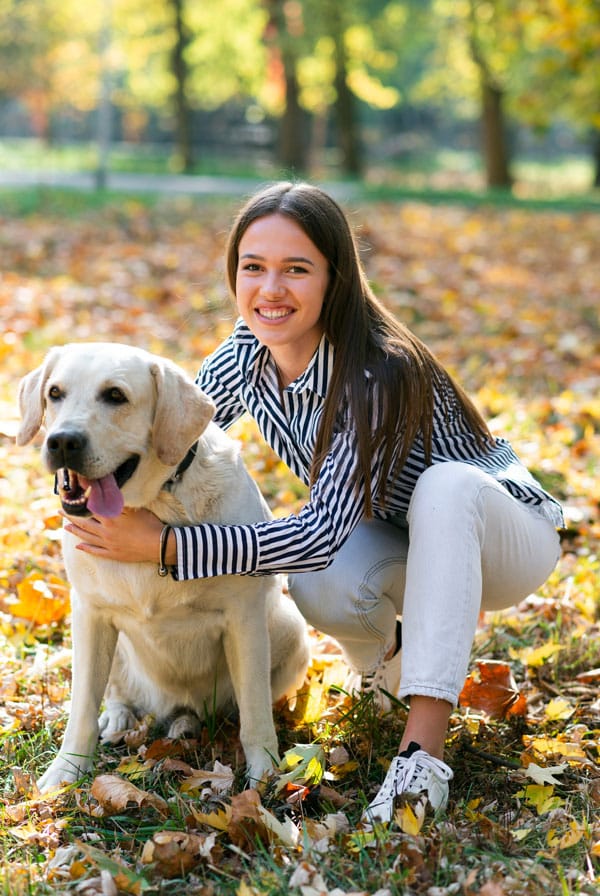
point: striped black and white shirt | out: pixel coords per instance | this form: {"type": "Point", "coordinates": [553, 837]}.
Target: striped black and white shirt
{"type": "Point", "coordinates": [240, 376]}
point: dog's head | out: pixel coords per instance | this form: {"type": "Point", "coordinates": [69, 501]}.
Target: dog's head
{"type": "Point", "coordinates": [118, 420]}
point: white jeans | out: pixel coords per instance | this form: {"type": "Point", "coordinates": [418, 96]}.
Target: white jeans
{"type": "Point", "coordinates": [469, 546]}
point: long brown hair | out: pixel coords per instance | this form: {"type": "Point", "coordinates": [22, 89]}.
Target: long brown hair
{"type": "Point", "coordinates": [366, 337]}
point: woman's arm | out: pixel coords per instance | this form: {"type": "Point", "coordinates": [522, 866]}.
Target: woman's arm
{"type": "Point", "coordinates": [131, 537]}
{"type": "Point", "coordinates": [302, 542]}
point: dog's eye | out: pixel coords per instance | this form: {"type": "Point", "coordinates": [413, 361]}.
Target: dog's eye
{"type": "Point", "coordinates": [114, 395]}
{"type": "Point", "coordinates": [54, 393]}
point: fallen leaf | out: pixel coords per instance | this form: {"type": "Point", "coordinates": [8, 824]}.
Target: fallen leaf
{"type": "Point", "coordinates": [306, 763]}
{"type": "Point", "coordinates": [491, 689]}
{"type": "Point", "coordinates": [564, 840]}
{"type": "Point", "coordinates": [538, 656]}
{"type": "Point", "coordinates": [42, 599]}
{"type": "Point", "coordinates": [545, 775]}
{"type": "Point", "coordinates": [558, 709]}
{"type": "Point", "coordinates": [410, 817]}
{"type": "Point", "coordinates": [176, 853]}
{"type": "Point", "coordinates": [115, 795]}
{"type": "Point", "coordinates": [220, 779]}
{"type": "Point", "coordinates": [541, 798]}
{"type": "Point", "coordinates": [127, 880]}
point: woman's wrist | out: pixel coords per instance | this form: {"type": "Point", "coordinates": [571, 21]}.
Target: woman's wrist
{"type": "Point", "coordinates": [167, 550]}
{"type": "Point", "coordinates": [171, 549]}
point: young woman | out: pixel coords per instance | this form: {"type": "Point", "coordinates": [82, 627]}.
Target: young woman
{"type": "Point", "coordinates": [416, 512]}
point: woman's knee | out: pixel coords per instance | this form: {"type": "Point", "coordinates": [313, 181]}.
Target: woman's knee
{"type": "Point", "coordinates": [312, 593]}
{"type": "Point", "coordinates": [446, 487]}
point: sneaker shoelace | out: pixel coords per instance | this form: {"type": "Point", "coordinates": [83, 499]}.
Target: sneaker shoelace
{"type": "Point", "coordinates": [409, 775]}
{"type": "Point", "coordinates": [416, 770]}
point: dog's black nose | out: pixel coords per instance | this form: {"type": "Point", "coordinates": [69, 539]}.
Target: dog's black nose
{"type": "Point", "coordinates": [66, 448]}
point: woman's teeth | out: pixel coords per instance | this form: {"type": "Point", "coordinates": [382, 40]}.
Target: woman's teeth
{"type": "Point", "coordinates": [273, 315]}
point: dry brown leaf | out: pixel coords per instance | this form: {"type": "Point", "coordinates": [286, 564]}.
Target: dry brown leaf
{"type": "Point", "coordinates": [246, 826]}
{"type": "Point", "coordinates": [175, 853]}
{"type": "Point", "coordinates": [115, 795]}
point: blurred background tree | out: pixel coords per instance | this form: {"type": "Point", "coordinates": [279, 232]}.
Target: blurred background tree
{"type": "Point", "coordinates": [358, 88]}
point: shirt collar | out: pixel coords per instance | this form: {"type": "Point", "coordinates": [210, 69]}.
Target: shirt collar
{"type": "Point", "coordinates": [254, 360]}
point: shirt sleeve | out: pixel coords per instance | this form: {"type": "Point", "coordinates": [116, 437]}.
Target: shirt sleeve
{"type": "Point", "coordinates": [297, 543]}
{"type": "Point", "coordinates": [219, 378]}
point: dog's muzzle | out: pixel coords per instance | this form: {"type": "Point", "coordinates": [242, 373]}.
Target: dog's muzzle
{"type": "Point", "coordinates": [79, 495]}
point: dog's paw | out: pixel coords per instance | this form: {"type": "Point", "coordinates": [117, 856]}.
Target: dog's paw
{"type": "Point", "coordinates": [186, 724]}
{"type": "Point", "coordinates": [260, 763]}
{"type": "Point", "coordinates": [116, 719]}
{"type": "Point", "coordinates": [63, 771]}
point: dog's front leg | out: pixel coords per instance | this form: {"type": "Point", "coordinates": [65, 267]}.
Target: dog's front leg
{"type": "Point", "coordinates": [247, 649]}
{"type": "Point", "coordinates": [94, 641]}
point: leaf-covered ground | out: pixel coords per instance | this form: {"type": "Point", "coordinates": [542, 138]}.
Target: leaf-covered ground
{"type": "Point", "coordinates": [509, 300]}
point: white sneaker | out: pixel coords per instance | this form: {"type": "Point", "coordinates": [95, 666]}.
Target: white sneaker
{"type": "Point", "coordinates": [386, 677]}
{"type": "Point", "coordinates": [414, 773]}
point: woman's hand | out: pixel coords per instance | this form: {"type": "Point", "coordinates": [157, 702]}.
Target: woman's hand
{"type": "Point", "coordinates": [131, 537]}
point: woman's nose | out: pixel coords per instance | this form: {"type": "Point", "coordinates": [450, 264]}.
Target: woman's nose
{"type": "Point", "coordinates": [272, 287]}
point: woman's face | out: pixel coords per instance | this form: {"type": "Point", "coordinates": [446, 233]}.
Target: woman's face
{"type": "Point", "coordinates": [280, 286]}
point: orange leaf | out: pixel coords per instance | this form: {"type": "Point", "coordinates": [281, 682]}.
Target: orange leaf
{"type": "Point", "coordinates": [42, 599]}
{"type": "Point", "coordinates": [491, 688]}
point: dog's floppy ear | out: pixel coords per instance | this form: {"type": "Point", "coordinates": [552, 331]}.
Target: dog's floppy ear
{"type": "Point", "coordinates": [31, 398]}
{"type": "Point", "coordinates": [182, 413]}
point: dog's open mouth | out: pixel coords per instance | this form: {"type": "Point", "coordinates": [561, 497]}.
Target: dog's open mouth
{"type": "Point", "coordinates": [80, 496]}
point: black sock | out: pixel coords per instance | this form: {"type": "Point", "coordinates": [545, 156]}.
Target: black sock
{"type": "Point", "coordinates": [411, 748]}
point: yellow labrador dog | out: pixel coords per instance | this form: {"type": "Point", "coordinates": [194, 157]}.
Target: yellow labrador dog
{"type": "Point", "coordinates": [128, 428]}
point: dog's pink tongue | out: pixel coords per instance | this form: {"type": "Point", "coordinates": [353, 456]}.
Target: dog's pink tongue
{"type": "Point", "coordinates": [105, 497]}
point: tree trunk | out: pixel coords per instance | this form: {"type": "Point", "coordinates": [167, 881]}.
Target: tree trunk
{"type": "Point", "coordinates": [183, 112]}
{"type": "Point", "coordinates": [495, 143]}
{"type": "Point", "coordinates": [496, 154]}
{"type": "Point", "coordinates": [345, 110]}
{"type": "Point", "coordinates": [596, 158]}
{"type": "Point", "coordinates": [293, 143]}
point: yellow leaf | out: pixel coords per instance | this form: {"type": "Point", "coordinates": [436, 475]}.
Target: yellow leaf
{"type": "Point", "coordinates": [410, 819]}
{"type": "Point", "coordinates": [555, 746]}
{"type": "Point", "coordinates": [132, 767]}
{"type": "Point", "coordinates": [537, 656]}
{"type": "Point", "coordinates": [559, 708]}
{"type": "Point", "coordinates": [340, 771]}
{"type": "Point", "coordinates": [569, 838]}
{"type": "Point", "coordinates": [245, 889]}
{"type": "Point", "coordinates": [541, 797]}
{"type": "Point", "coordinates": [219, 820]}
{"type": "Point", "coordinates": [521, 833]}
